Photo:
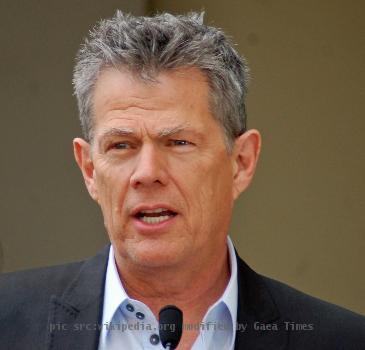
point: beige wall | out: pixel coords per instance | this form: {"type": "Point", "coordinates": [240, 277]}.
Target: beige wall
{"type": "Point", "coordinates": [302, 221]}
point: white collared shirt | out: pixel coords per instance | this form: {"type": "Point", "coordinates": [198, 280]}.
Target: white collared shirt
{"type": "Point", "coordinates": [130, 324]}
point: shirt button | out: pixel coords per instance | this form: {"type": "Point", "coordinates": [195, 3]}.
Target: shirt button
{"type": "Point", "coordinates": [129, 307]}
{"type": "Point", "coordinates": [139, 315]}
{"type": "Point", "coordinates": [154, 339]}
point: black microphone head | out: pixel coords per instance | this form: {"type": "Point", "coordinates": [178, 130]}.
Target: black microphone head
{"type": "Point", "coordinates": [170, 326]}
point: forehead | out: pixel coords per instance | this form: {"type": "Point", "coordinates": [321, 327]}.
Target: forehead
{"type": "Point", "coordinates": [174, 96]}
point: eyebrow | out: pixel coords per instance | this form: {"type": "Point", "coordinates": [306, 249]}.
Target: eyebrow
{"type": "Point", "coordinates": [117, 132]}
{"type": "Point", "coordinates": [130, 132]}
{"type": "Point", "coordinates": [171, 131]}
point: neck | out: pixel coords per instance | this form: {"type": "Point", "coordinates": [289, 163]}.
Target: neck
{"type": "Point", "coordinates": [199, 284]}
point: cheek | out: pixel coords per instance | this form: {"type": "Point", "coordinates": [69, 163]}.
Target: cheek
{"type": "Point", "coordinates": [217, 177]}
{"type": "Point", "coordinates": [218, 194]}
{"type": "Point", "coordinates": [208, 187]}
{"type": "Point", "coordinates": [111, 185]}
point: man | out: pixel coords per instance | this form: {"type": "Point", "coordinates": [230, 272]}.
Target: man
{"type": "Point", "coordinates": [165, 154]}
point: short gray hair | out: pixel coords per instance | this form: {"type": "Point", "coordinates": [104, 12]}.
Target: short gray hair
{"type": "Point", "coordinates": [149, 45]}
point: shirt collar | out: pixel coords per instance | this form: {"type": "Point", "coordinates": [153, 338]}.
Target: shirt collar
{"type": "Point", "coordinates": [230, 295]}
{"type": "Point", "coordinates": [229, 299]}
{"type": "Point", "coordinates": [114, 293]}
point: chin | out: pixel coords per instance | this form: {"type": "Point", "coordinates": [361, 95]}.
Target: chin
{"type": "Point", "coordinates": [155, 253]}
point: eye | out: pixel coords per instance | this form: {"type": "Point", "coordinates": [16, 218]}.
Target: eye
{"type": "Point", "coordinates": [121, 145]}
{"type": "Point", "coordinates": [180, 142]}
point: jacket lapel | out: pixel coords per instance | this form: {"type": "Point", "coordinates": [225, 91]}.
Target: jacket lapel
{"type": "Point", "coordinates": [75, 316]}
{"type": "Point", "coordinates": [259, 323]}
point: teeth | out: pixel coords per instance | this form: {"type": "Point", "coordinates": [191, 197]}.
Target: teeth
{"type": "Point", "coordinates": [148, 211]}
{"type": "Point", "coordinates": [155, 219]}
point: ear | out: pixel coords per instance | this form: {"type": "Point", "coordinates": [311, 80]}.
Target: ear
{"type": "Point", "coordinates": [82, 153]}
{"type": "Point", "coordinates": [245, 155]}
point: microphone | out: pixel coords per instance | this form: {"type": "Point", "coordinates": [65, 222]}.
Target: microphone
{"type": "Point", "coordinates": [170, 326]}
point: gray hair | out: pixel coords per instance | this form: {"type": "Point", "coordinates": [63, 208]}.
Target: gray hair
{"type": "Point", "coordinates": [149, 45]}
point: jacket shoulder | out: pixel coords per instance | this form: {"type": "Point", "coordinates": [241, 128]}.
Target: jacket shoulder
{"type": "Point", "coordinates": [299, 304]}
{"type": "Point", "coordinates": [312, 318]}
{"type": "Point", "coordinates": [33, 286]}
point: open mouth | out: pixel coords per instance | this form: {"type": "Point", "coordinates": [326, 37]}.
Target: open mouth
{"type": "Point", "coordinates": [155, 216]}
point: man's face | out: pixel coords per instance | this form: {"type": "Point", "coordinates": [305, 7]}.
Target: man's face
{"type": "Point", "coordinates": [158, 167]}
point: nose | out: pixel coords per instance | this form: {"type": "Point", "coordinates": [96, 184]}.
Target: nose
{"type": "Point", "coordinates": [150, 168]}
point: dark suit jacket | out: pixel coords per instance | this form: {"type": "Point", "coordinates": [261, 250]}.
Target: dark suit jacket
{"type": "Point", "coordinates": [60, 308]}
